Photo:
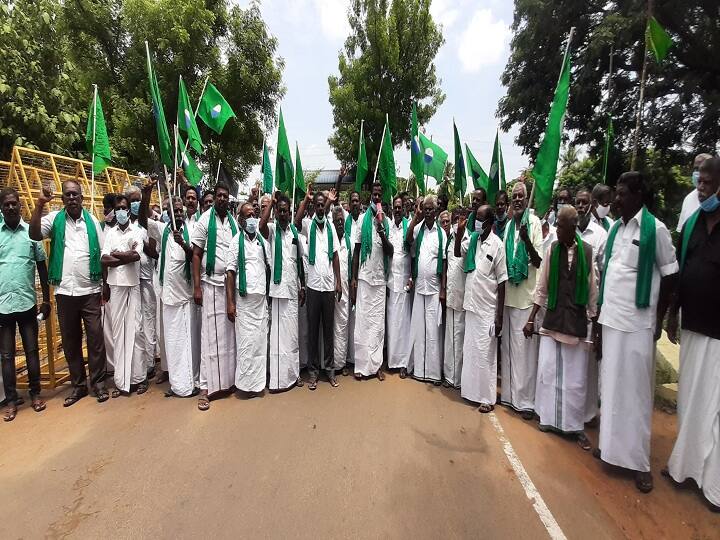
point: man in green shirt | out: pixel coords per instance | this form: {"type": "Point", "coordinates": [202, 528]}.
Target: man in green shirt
{"type": "Point", "coordinates": [19, 255]}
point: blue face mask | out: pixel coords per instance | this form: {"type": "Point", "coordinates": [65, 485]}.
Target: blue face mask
{"type": "Point", "coordinates": [122, 216]}
{"type": "Point", "coordinates": [165, 217]}
{"type": "Point", "coordinates": [710, 204]}
{"type": "Point", "coordinates": [695, 178]}
{"type": "Point", "coordinates": [135, 208]}
{"type": "Point", "coordinates": [251, 224]}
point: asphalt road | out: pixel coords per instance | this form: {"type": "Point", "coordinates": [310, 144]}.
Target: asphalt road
{"type": "Point", "coordinates": [392, 459]}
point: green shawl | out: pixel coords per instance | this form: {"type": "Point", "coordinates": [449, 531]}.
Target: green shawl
{"type": "Point", "coordinates": [646, 258]}
{"type": "Point", "coordinates": [313, 241]}
{"type": "Point", "coordinates": [517, 259]}
{"type": "Point", "coordinates": [686, 234]}
{"type": "Point", "coordinates": [418, 244]}
{"type": "Point", "coordinates": [366, 238]}
{"type": "Point", "coordinates": [163, 246]}
{"type": "Point", "coordinates": [278, 258]}
{"type": "Point", "coordinates": [211, 246]}
{"type": "Point", "coordinates": [57, 247]}
{"type": "Point", "coordinates": [241, 271]}
{"type": "Point", "coordinates": [582, 271]}
{"type": "Point", "coordinates": [470, 255]}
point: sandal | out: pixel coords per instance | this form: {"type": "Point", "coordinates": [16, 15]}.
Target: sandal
{"type": "Point", "coordinates": [299, 383]}
{"type": "Point", "coordinates": [142, 387]}
{"type": "Point", "coordinates": [115, 393]}
{"type": "Point", "coordinates": [436, 383]}
{"type": "Point", "coordinates": [381, 375]}
{"type": "Point", "coordinates": [446, 384]}
{"type": "Point", "coordinates": [333, 381]}
{"type": "Point", "coordinates": [312, 385]}
{"type": "Point", "coordinates": [102, 395]}
{"type": "Point", "coordinates": [38, 405]}
{"type": "Point", "coordinates": [357, 376]}
{"type": "Point", "coordinates": [161, 377]}
{"type": "Point", "coordinates": [527, 415]}
{"type": "Point", "coordinates": [403, 373]}
{"type": "Point", "coordinates": [584, 442]}
{"type": "Point", "coordinates": [345, 372]}
{"type": "Point", "coordinates": [203, 402]}
{"type": "Point", "coordinates": [10, 412]}
{"type": "Point", "coordinates": [486, 408]}
{"type": "Point", "coordinates": [73, 398]}
{"type": "Point", "coordinates": [644, 482]}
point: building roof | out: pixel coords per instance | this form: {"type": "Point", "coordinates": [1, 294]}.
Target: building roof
{"type": "Point", "coordinates": [328, 177]}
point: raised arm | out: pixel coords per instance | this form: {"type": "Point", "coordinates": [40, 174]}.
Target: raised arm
{"type": "Point", "coordinates": [300, 212]}
{"type": "Point", "coordinates": [35, 229]}
{"type": "Point", "coordinates": [265, 217]}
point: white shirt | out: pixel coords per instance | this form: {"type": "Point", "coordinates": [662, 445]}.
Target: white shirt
{"type": "Point", "coordinates": [131, 239]}
{"type": "Point", "coordinates": [690, 204]}
{"type": "Point", "coordinates": [595, 235]}
{"type": "Point", "coordinates": [618, 310]}
{"type": "Point", "coordinates": [147, 264]}
{"type": "Point", "coordinates": [224, 236]}
{"type": "Point", "coordinates": [344, 263]}
{"type": "Point", "coordinates": [354, 230]}
{"type": "Point", "coordinates": [288, 286]}
{"type": "Point", "coordinates": [373, 270]}
{"type": "Point", "coordinates": [455, 286]}
{"type": "Point", "coordinates": [400, 261]}
{"type": "Point", "coordinates": [176, 289]}
{"type": "Point", "coordinates": [320, 276]}
{"type": "Point", "coordinates": [597, 221]}
{"type": "Point", "coordinates": [490, 271]}
{"type": "Point", "coordinates": [255, 263]}
{"type": "Point", "coordinates": [75, 279]}
{"type": "Point", "coordinates": [521, 296]}
{"type": "Point", "coordinates": [428, 280]}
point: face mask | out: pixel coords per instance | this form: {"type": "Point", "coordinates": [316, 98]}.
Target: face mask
{"type": "Point", "coordinates": [165, 217]}
{"type": "Point", "coordinates": [251, 225]}
{"type": "Point", "coordinates": [122, 216]}
{"type": "Point", "coordinates": [501, 216]}
{"type": "Point", "coordinates": [320, 219]}
{"type": "Point", "coordinates": [135, 208]}
{"type": "Point", "coordinates": [602, 211]}
{"type": "Point", "coordinates": [710, 204]}
{"type": "Point", "coordinates": [110, 216]}
{"type": "Point", "coordinates": [695, 178]}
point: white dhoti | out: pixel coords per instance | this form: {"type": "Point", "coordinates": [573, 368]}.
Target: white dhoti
{"type": "Point", "coordinates": [217, 342]}
{"type": "Point", "coordinates": [696, 453]}
{"type": "Point", "coordinates": [182, 345]}
{"type": "Point", "coordinates": [561, 385]}
{"type": "Point", "coordinates": [284, 350]}
{"type": "Point", "coordinates": [479, 368]}
{"type": "Point", "coordinates": [369, 328]}
{"type": "Point", "coordinates": [251, 329]}
{"type": "Point", "coordinates": [160, 330]}
{"type": "Point", "coordinates": [519, 361]}
{"type": "Point", "coordinates": [149, 313]}
{"type": "Point", "coordinates": [341, 329]}
{"type": "Point", "coordinates": [426, 357]}
{"type": "Point", "coordinates": [453, 348]}
{"type": "Point", "coordinates": [108, 337]}
{"type": "Point", "coordinates": [126, 324]}
{"type": "Point", "coordinates": [626, 373]}
{"type": "Point", "coordinates": [399, 337]}
{"type": "Point", "coordinates": [592, 394]}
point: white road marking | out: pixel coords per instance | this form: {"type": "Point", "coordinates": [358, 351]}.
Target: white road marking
{"type": "Point", "coordinates": [531, 491]}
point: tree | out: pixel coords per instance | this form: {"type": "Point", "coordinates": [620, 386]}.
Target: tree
{"type": "Point", "coordinates": [41, 102]}
{"type": "Point", "coordinates": [386, 65]}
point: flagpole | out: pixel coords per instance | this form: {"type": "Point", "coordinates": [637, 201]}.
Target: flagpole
{"type": "Point", "coordinates": [607, 132]}
{"type": "Point", "coordinates": [197, 107]}
{"type": "Point", "coordinates": [217, 175]}
{"type": "Point", "coordinates": [92, 157]}
{"type": "Point", "coordinates": [643, 80]}
{"type": "Point", "coordinates": [175, 161]}
{"type": "Point", "coordinates": [382, 140]}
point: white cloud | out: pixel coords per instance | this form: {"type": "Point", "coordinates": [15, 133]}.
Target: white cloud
{"type": "Point", "coordinates": [333, 18]}
{"type": "Point", "coordinates": [483, 41]}
{"type": "Point", "coordinates": [443, 14]}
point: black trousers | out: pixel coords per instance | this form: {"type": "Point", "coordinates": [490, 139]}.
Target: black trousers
{"type": "Point", "coordinates": [26, 322]}
{"type": "Point", "coordinates": [73, 312]}
{"type": "Point", "coordinates": [320, 310]}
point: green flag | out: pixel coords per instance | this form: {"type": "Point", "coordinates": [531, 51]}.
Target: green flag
{"type": "Point", "coordinates": [214, 110]}
{"type": "Point", "coordinates": [460, 174]}
{"type": "Point", "coordinates": [300, 187]}
{"type": "Point", "coordinates": [185, 159]}
{"type": "Point", "coordinates": [284, 176]}
{"type": "Point", "coordinates": [96, 137]}
{"type": "Point", "coordinates": [479, 176]}
{"type": "Point", "coordinates": [608, 143]}
{"type": "Point", "coordinates": [164, 144]}
{"type": "Point", "coordinates": [434, 158]}
{"type": "Point", "coordinates": [186, 119]}
{"type": "Point", "coordinates": [386, 167]}
{"type": "Point", "coordinates": [658, 40]}
{"type": "Point", "coordinates": [266, 168]}
{"type": "Point", "coordinates": [545, 167]}
{"type": "Point", "coordinates": [416, 155]}
{"type": "Point", "coordinates": [496, 177]}
{"type": "Point", "coordinates": [362, 162]}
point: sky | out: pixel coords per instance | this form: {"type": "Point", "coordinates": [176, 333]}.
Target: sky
{"type": "Point", "coordinates": [477, 34]}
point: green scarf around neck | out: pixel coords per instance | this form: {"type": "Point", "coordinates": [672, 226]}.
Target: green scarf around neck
{"type": "Point", "coordinates": [278, 257]}
{"type": "Point", "coordinates": [313, 241]}
{"type": "Point", "coordinates": [212, 240]}
{"type": "Point", "coordinates": [57, 247]}
{"type": "Point", "coordinates": [646, 258]}
{"type": "Point", "coordinates": [366, 237]}
{"type": "Point", "coordinates": [418, 244]}
{"type": "Point", "coordinates": [582, 272]}
{"type": "Point", "coordinates": [517, 259]}
{"type": "Point", "coordinates": [686, 235]}
{"type": "Point", "coordinates": [163, 249]}
{"type": "Point", "coordinates": [605, 222]}
{"type": "Point", "coordinates": [469, 265]}
{"type": "Point", "coordinates": [241, 270]}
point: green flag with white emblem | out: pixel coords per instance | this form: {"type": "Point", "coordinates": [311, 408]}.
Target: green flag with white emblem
{"type": "Point", "coordinates": [186, 119]}
{"type": "Point", "coordinates": [214, 110]}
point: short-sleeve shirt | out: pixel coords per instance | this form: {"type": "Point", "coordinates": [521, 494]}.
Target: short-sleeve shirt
{"type": "Point", "coordinates": [320, 276]}
{"type": "Point", "coordinates": [490, 271]}
{"type": "Point", "coordinates": [428, 280]}
{"type": "Point", "coordinates": [199, 238]}
{"type": "Point", "coordinates": [288, 286]}
{"type": "Point", "coordinates": [455, 285]}
{"type": "Point", "coordinates": [176, 288]}
{"type": "Point", "coordinates": [596, 237]}
{"type": "Point", "coordinates": [130, 239]}
{"type": "Point", "coordinates": [619, 310]}
{"type": "Point", "coordinates": [255, 263]}
{"type": "Point", "coordinates": [400, 262]}
{"type": "Point", "coordinates": [147, 263]}
{"type": "Point", "coordinates": [18, 255]}
{"type": "Point", "coordinates": [372, 271]}
{"type": "Point", "coordinates": [75, 280]}
{"type": "Point", "coordinates": [520, 296]}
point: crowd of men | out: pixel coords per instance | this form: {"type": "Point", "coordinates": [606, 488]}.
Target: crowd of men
{"type": "Point", "coordinates": [241, 299]}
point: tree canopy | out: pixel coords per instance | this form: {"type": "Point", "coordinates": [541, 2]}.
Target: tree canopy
{"type": "Point", "coordinates": [386, 65]}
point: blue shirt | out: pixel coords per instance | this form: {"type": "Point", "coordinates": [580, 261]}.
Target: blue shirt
{"type": "Point", "coordinates": [18, 255]}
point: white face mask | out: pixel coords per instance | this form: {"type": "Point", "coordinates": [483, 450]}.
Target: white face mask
{"type": "Point", "coordinates": [602, 211]}
{"type": "Point", "coordinates": [251, 224]}
{"type": "Point", "coordinates": [122, 216]}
